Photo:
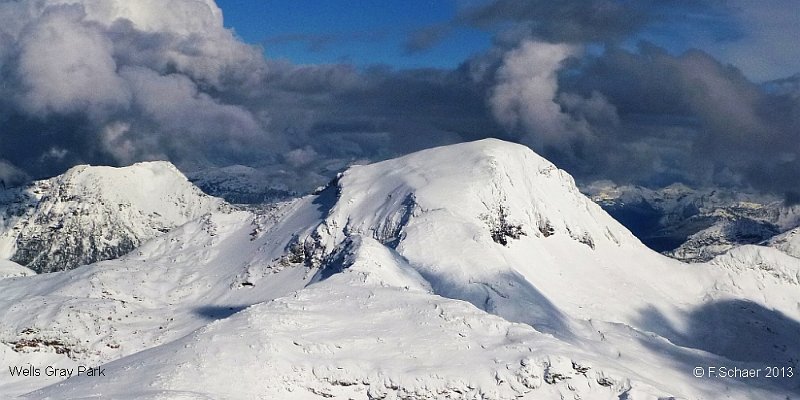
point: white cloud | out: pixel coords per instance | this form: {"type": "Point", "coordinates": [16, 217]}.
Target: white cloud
{"type": "Point", "coordinates": [527, 96]}
{"type": "Point", "coordinates": [182, 17]}
{"type": "Point", "coordinates": [158, 68]}
{"type": "Point", "coordinates": [67, 66]}
{"type": "Point", "coordinates": [179, 107]}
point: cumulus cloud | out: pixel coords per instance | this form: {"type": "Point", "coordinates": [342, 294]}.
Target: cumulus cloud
{"type": "Point", "coordinates": [113, 81]}
{"type": "Point", "coordinates": [527, 100]}
{"type": "Point", "coordinates": [66, 66]}
{"type": "Point", "coordinates": [525, 94]}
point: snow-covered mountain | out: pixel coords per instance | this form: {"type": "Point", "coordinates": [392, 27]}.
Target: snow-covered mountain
{"type": "Point", "coordinates": [721, 237]}
{"type": "Point", "coordinates": [474, 271]}
{"type": "Point", "coordinates": [695, 225]}
{"type": "Point", "coordinates": [90, 214]}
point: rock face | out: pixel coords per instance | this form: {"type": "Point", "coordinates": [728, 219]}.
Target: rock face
{"type": "Point", "coordinates": [91, 214]}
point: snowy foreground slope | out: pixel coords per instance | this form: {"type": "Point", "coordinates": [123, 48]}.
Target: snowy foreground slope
{"type": "Point", "coordinates": [92, 213]}
{"type": "Point", "coordinates": [472, 271]}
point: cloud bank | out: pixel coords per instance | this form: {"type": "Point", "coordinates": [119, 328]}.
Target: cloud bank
{"type": "Point", "coordinates": [114, 82]}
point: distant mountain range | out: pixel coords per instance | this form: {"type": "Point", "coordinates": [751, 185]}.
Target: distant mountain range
{"type": "Point", "coordinates": [695, 225]}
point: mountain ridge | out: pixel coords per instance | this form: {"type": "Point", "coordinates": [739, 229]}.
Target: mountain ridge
{"type": "Point", "coordinates": [472, 271]}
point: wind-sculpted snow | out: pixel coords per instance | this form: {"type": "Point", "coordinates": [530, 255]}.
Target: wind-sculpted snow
{"type": "Point", "coordinates": [766, 261]}
{"type": "Point", "coordinates": [93, 214]}
{"type": "Point", "coordinates": [365, 341]}
{"type": "Point", "coordinates": [473, 271]}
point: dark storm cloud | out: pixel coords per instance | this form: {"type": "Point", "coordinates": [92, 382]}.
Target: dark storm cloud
{"type": "Point", "coordinates": [91, 82]}
{"type": "Point", "coordinates": [405, 110]}
{"type": "Point", "coordinates": [582, 21]}
{"type": "Point", "coordinates": [643, 115]}
{"type": "Point", "coordinates": [733, 130]}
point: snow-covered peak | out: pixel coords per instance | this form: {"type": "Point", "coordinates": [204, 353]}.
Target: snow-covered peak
{"type": "Point", "coordinates": [153, 186]}
{"type": "Point", "coordinates": [95, 213]}
{"type": "Point", "coordinates": [505, 190]}
{"type": "Point", "coordinates": [695, 224]}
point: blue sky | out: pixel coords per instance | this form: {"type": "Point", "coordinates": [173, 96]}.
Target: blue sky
{"type": "Point", "coordinates": [374, 32]}
{"type": "Point", "coordinates": [754, 39]}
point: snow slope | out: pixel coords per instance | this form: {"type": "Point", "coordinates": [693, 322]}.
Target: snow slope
{"type": "Point", "coordinates": [92, 214]}
{"type": "Point", "coordinates": [469, 271]}
{"type": "Point", "coordinates": [172, 285]}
